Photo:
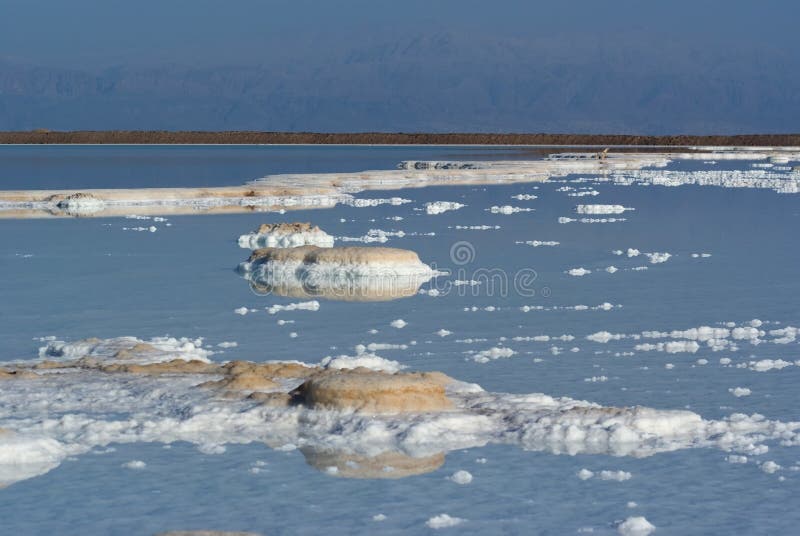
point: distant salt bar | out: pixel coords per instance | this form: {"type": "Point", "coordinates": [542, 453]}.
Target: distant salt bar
{"type": "Point", "coordinates": [285, 235]}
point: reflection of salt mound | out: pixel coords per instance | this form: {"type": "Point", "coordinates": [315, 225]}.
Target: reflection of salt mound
{"type": "Point", "coordinates": [344, 273]}
{"type": "Point", "coordinates": [286, 235]}
{"type": "Point", "coordinates": [384, 465]}
{"type": "Point", "coordinates": [375, 392]}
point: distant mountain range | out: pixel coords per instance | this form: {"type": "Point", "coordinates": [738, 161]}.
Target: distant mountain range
{"type": "Point", "coordinates": [435, 83]}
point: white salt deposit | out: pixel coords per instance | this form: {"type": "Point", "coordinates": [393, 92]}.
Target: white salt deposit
{"type": "Point", "coordinates": [508, 209]}
{"type": "Point", "coordinates": [442, 521]}
{"type": "Point", "coordinates": [287, 236]}
{"type": "Point", "coordinates": [636, 526]}
{"type": "Point", "coordinates": [461, 477]}
{"type": "Point", "coordinates": [399, 323]}
{"type": "Point", "coordinates": [739, 392]}
{"type": "Point", "coordinates": [578, 272]}
{"type": "Point", "coordinates": [312, 305]}
{"type": "Point", "coordinates": [601, 209]}
{"type": "Point", "coordinates": [493, 354]}
{"type": "Point", "coordinates": [438, 207]}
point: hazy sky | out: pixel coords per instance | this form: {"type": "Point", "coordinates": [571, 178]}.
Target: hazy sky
{"type": "Point", "coordinates": [698, 66]}
{"type": "Point", "coordinates": [92, 33]}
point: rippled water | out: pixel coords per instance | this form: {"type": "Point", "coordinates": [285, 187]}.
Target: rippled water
{"type": "Point", "coordinates": [75, 278]}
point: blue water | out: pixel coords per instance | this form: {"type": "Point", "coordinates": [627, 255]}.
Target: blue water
{"type": "Point", "coordinates": [87, 277]}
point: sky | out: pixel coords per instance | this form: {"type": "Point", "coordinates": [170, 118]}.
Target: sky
{"type": "Point", "coordinates": [742, 42]}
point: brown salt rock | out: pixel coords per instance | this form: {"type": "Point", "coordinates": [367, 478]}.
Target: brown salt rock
{"type": "Point", "coordinates": [266, 228]}
{"type": "Point", "coordinates": [386, 465]}
{"type": "Point", "coordinates": [6, 374]}
{"type": "Point", "coordinates": [370, 391]}
{"type": "Point", "coordinates": [246, 381]}
{"type": "Point", "coordinates": [272, 369]}
{"type": "Point", "coordinates": [176, 366]}
{"type": "Point", "coordinates": [142, 349]}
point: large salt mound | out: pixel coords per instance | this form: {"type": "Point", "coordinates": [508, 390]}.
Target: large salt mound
{"type": "Point", "coordinates": [286, 235]}
{"type": "Point", "coordinates": [341, 273]}
{"type": "Point", "coordinates": [370, 391]}
{"type": "Point", "coordinates": [386, 465]}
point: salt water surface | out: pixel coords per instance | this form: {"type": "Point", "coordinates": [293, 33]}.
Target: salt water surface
{"type": "Point", "coordinates": [468, 340]}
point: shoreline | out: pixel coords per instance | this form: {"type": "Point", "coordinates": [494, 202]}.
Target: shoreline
{"type": "Point", "coordinates": [160, 137]}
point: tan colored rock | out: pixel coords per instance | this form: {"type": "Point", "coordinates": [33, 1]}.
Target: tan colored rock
{"type": "Point", "coordinates": [137, 351]}
{"type": "Point", "coordinates": [176, 366]}
{"type": "Point", "coordinates": [272, 369]}
{"type": "Point", "coordinates": [375, 392]}
{"type": "Point", "coordinates": [247, 381]}
{"type": "Point", "coordinates": [6, 374]}
{"type": "Point", "coordinates": [266, 228]}
{"type": "Point", "coordinates": [386, 465]}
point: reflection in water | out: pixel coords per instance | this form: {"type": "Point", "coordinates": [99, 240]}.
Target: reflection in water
{"type": "Point", "coordinates": [336, 273]}
{"type": "Point", "coordinates": [389, 465]}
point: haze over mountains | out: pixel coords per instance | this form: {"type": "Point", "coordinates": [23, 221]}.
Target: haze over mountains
{"type": "Point", "coordinates": [418, 76]}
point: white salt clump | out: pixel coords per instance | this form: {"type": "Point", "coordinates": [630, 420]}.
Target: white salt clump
{"type": "Point", "coordinates": [399, 323]}
{"type": "Point", "coordinates": [601, 209]}
{"type": "Point", "coordinates": [508, 209]}
{"type": "Point", "coordinates": [736, 459]}
{"type": "Point", "coordinates": [134, 464]}
{"type": "Point", "coordinates": [461, 477]}
{"type": "Point", "coordinates": [438, 207]}
{"type": "Point", "coordinates": [612, 269]}
{"type": "Point", "coordinates": [539, 243]}
{"type": "Point", "coordinates": [312, 305]}
{"type": "Point", "coordinates": [636, 526]}
{"type": "Point", "coordinates": [724, 360]}
{"type": "Point", "coordinates": [578, 272]}
{"type": "Point", "coordinates": [379, 517]}
{"type": "Point", "coordinates": [364, 360]}
{"type": "Point", "coordinates": [128, 349]}
{"type": "Point", "coordinates": [228, 344]}
{"type": "Point", "coordinates": [443, 521]}
{"type": "Point", "coordinates": [632, 252]}
{"type": "Point", "coordinates": [770, 467]}
{"type": "Point", "coordinates": [605, 336]}
{"type": "Point", "coordinates": [657, 258]}
{"type": "Point", "coordinates": [585, 474]}
{"type": "Point", "coordinates": [493, 354]}
{"type": "Point", "coordinates": [619, 476]}
{"type": "Point", "coordinates": [241, 311]}
{"type": "Point", "coordinates": [739, 392]}
{"type": "Point", "coordinates": [765, 365]}
{"type": "Point", "coordinates": [286, 235]}
{"type": "Point", "coordinates": [444, 333]}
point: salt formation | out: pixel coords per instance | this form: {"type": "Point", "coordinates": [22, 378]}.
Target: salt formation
{"type": "Point", "coordinates": [303, 191]}
{"type": "Point", "coordinates": [438, 207]}
{"type": "Point", "coordinates": [387, 423]}
{"type": "Point", "coordinates": [285, 235]}
{"type": "Point", "coordinates": [343, 273]}
{"type": "Point", "coordinates": [601, 209]}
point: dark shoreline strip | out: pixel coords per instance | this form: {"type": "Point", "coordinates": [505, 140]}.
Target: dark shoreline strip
{"type": "Point", "coordinates": [43, 136]}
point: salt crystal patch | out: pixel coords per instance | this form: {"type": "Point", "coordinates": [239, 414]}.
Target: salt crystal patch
{"type": "Point", "coordinates": [443, 521]}
{"type": "Point", "coordinates": [461, 477]}
{"type": "Point", "coordinates": [636, 526]}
